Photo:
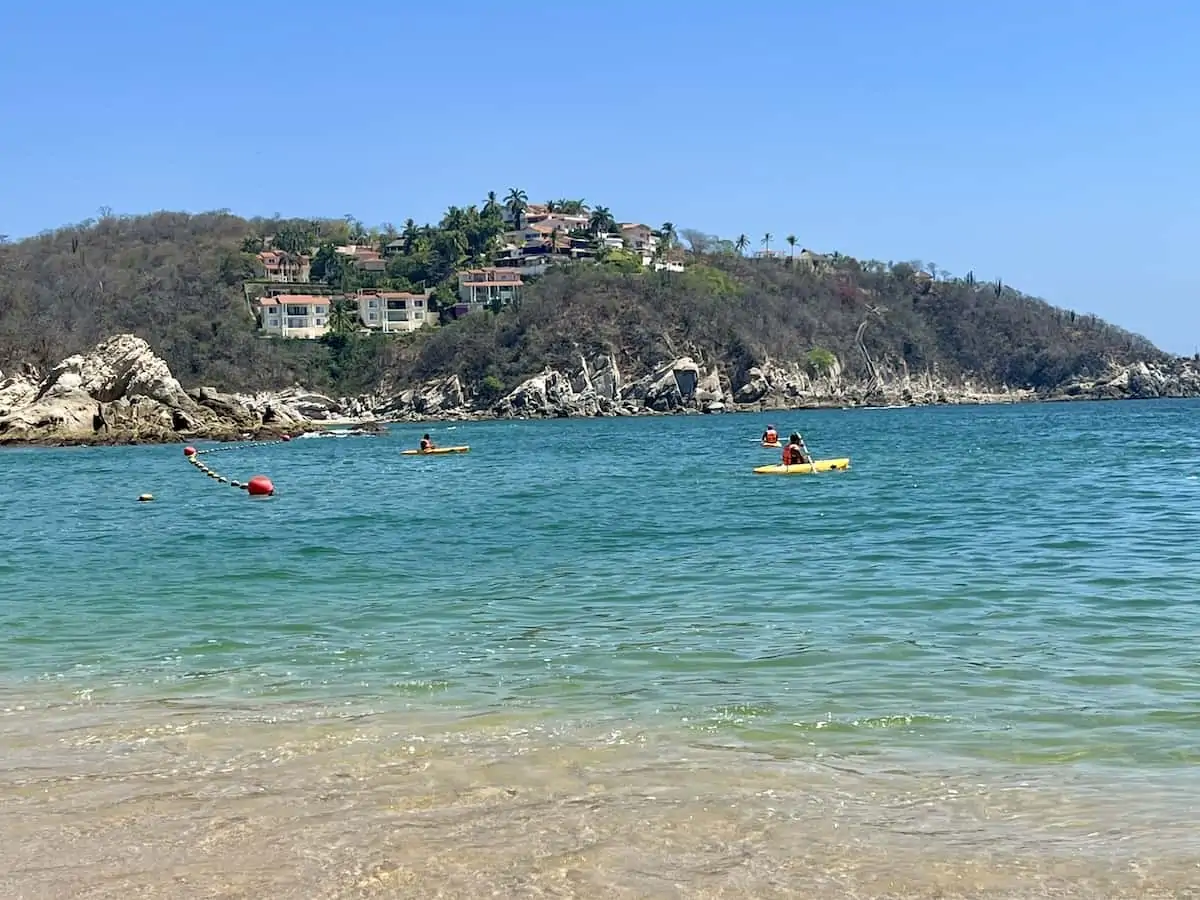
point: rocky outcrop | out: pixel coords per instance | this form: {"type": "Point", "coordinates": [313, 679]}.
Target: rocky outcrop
{"type": "Point", "coordinates": [1136, 381]}
{"type": "Point", "coordinates": [121, 392]}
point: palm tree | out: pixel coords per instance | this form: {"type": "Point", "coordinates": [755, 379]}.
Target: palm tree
{"type": "Point", "coordinates": [791, 239]}
{"type": "Point", "coordinates": [343, 316]}
{"type": "Point", "coordinates": [551, 206]}
{"type": "Point", "coordinates": [409, 235]}
{"type": "Point", "coordinates": [602, 220]}
{"type": "Point", "coordinates": [491, 207]}
{"type": "Point", "coordinates": [668, 234]}
{"type": "Point", "coordinates": [554, 240]}
{"type": "Point", "coordinates": [741, 243]}
{"type": "Point", "coordinates": [766, 242]}
{"type": "Point", "coordinates": [517, 202]}
{"type": "Point", "coordinates": [454, 220]}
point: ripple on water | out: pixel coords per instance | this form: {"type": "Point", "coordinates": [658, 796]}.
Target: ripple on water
{"type": "Point", "coordinates": [1008, 595]}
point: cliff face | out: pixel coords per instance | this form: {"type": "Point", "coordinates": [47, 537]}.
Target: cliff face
{"type": "Point", "coordinates": [596, 387]}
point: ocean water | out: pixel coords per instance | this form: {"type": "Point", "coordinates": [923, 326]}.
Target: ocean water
{"type": "Point", "coordinates": [602, 659]}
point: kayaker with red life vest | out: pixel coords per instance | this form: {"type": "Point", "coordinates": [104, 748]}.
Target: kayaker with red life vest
{"type": "Point", "coordinates": [426, 443]}
{"type": "Point", "coordinates": [770, 436]}
{"type": "Point", "coordinates": [795, 453]}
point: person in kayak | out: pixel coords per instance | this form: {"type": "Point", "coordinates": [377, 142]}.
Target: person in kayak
{"type": "Point", "coordinates": [427, 443]}
{"type": "Point", "coordinates": [795, 453]}
{"type": "Point", "coordinates": [770, 436]}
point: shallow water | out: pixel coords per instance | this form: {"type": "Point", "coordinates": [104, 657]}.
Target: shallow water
{"type": "Point", "coordinates": [600, 658]}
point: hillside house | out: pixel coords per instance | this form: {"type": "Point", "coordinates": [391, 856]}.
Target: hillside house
{"type": "Point", "coordinates": [394, 311]}
{"type": "Point", "coordinates": [639, 238]}
{"type": "Point", "coordinates": [491, 286]}
{"type": "Point", "coordinates": [303, 316]}
{"type": "Point", "coordinates": [284, 267]}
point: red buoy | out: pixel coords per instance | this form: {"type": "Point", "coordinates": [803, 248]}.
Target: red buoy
{"type": "Point", "coordinates": [189, 451]}
{"type": "Point", "coordinates": [260, 486]}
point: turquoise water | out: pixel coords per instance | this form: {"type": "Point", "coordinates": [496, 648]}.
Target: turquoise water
{"type": "Point", "coordinates": [994, 589]}
{"type": "Point", "coordinates": [1016, 583]}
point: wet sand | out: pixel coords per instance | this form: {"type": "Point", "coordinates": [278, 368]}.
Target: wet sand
{"type": "Point", "coordinates": [179, 800]}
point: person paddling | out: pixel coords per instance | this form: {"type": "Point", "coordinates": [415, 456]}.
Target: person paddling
{"type": "Point", "coordinates": [770, 436]}
{"type": "Point", "coordinates": [427, 443]}
{"type": "Point", "coordinates": [795, 453]}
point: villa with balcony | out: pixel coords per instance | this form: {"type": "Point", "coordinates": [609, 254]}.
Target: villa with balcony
{"type": "Point", "coordinates": [284, 267]}
{"type": "Point", "coordinates": [394, 311]}
{"type": "Point", "coordinates": [303, 316]}
{"type": "Point", "coordinates": [639, 238]}
{"type": "Point", "coordinates": [493, 286]}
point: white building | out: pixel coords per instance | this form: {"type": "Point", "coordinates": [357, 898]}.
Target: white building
{"type": "Point", "coordinates": [639, 238]}
{"type": "Point", "coordinates": [394, 311]}
{"type": "Point", "coordinates": [304, 316]}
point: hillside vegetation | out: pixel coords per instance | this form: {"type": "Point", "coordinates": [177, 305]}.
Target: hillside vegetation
{"type": "Point", "coordinates": [176, 280]}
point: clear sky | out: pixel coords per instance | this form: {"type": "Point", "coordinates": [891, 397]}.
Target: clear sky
{"type": "Point", "coordinates": [1053, 144]}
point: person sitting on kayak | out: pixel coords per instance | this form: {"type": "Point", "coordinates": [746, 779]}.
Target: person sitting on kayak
{"type": "Point", "coordinates": [426, 443]}
{"type": "Point", "coordinates": [795, 453]}
{"type": "Point", "coordinates": [770, 436]}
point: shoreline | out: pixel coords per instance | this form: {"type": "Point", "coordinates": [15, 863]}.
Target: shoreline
{"type": "Point", "coordinates": [468, 416]}
{"type": "Point", "coordinates": [465, 417]}
{"type": "Point", "coordinates": [330, 801]}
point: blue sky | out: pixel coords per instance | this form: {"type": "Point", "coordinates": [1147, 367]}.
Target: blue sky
{"type": "Point", "coordinates": [1051, 144]}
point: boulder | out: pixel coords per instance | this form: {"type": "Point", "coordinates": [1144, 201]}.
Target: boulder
{"type": "Point", "coordinates": [16, 391]}
{"type": "Point", "coordinates": [757, 386]}
{"type": "Point", "coordinates": [668, 388]}
{"type": "Point", "coordinates": [121, 392]}
{"type": "Point", "coordinates": [548, 393]}
{"type": "Point", "coordinates": [439, 395]}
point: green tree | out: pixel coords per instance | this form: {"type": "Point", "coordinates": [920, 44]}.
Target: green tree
{"type": "Point", "coordinates": [602, 221]}
{"type": "Point", "coordinates": [668, 235]}
{"type": "Point", "coordinates": [820, 361]}
{"type": "Point", "coordinates": [343, 315]}
{"type": "Point", "coordinates": [741, 244]}
{"type": "Point", "coordinates": [791, 239]}
{"type": "Point", "coordinates": [327, 265]}
{"type": "Point", "coordinates": [517, 202]}
{"type": "Point", "coordinates": [766, 242]}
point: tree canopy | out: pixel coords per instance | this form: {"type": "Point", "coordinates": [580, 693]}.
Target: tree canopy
{"type": "Point", "coordinates": [177, 280]}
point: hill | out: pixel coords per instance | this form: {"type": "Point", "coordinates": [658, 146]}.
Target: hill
{"type": "Point", "coordinates": [176, 280]}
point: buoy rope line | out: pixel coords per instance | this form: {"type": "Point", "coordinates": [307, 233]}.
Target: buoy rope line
{"type": "Point", "coordinates": [257, 486]}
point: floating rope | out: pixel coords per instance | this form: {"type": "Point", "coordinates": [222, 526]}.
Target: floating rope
{"type": "Point", "coordinates": [257, 486]}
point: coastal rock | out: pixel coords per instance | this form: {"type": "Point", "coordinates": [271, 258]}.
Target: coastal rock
{"type": "Point", "coordinates": [709, 389]}
{"type": "Point", "coordinates": [439, 395]}
{"type": "Point", "coordinates": [606, 378]}
{"type": "Point", "coordinates": [668, 388]}
{"type": "Point", "coordinates": [757, 386]}
{"type": "Point", "coordinates": [16, 391]}
{"type": "Point", "coordinates": [121, 392]}
{"type": "Point", "coordinates": [547, 394]}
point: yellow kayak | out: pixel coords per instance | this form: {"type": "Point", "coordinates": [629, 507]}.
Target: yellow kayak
{"type": "Point", "coordinates": [435, 451]}
{"type": "Point", "coordinates": [820, 465]}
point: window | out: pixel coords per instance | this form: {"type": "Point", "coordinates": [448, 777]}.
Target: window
{"type": "Point", "coordinates": [418, 303]}
{"type": "Point", "coordinates": [373, 304]}
{"type": "Point", "coordinates": [372, 317]}
{"type": "Point", "coordinates": [320, 310]}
